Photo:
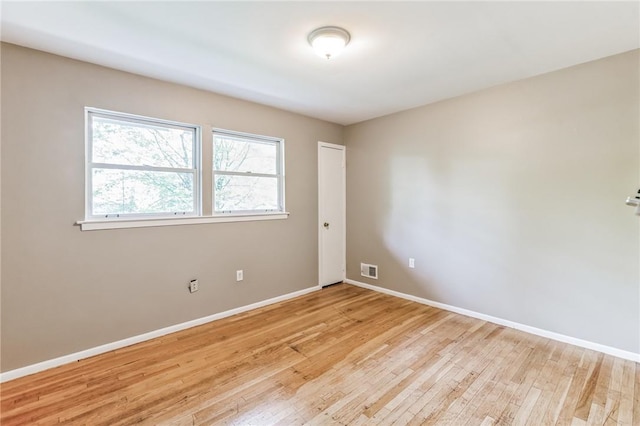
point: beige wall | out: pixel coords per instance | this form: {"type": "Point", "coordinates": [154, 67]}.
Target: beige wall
{"type": "Point", "coordinates": [511, 200]}
{"type": "Point", "coordinates": [64, 290]}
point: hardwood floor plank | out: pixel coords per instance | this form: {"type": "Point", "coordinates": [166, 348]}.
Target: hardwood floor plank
{"type": "Point", "coordinates": [498, 389]}
{"type": "Point", "coordinates": [567, 366]}
{"type": "Point", "coordinates": [399, 406]}
{"type": "Point", "coordinates": [551, 369]}
{"type": "Point", "coordinates": [343, 355]}
{"type": "Point", "coordinates": [526, 408]}
{"type": "Point", "coordinates": [578, 381]}
{"type": "Point", "coordinates": [484, 368]}
{"type": "Point", "coordinates": [586, 396]}
{"type": "Point", "coordinates": [636, 395]}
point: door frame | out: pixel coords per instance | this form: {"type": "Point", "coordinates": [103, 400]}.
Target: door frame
{"type": "Point", "coordinates": [341, 148]}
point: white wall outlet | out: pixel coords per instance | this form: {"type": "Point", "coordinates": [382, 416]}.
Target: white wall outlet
{"type": "Point", "coordinates": [239, 275]}
{"type": "Point", "coordinates": [412, 262]}
{"type": "Point", "coordinates": [193, 286]}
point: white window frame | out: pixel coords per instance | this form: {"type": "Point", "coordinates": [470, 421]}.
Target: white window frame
{"type": "Point", "coordinates": [138, 119]}
{"type": "Point", "coordinates": [279, 175]}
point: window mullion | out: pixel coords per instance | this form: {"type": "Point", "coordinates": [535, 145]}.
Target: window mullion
{"type": "Point", "coordinates": [141, 168]}
{"type": "Point", "coordinates": [229, 173]}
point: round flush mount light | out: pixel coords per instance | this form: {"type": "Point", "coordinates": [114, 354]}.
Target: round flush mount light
{"type": "Point", "coordinates": [328, 42]}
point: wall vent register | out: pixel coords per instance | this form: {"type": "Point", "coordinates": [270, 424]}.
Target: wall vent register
{"type": "Point", "coordinates": [369, 271]}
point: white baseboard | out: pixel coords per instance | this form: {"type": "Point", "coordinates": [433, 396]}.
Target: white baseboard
{"type": "Point", "coordinates": [632, 356]}
{"type": "Point", "coordinates": [66, 359]}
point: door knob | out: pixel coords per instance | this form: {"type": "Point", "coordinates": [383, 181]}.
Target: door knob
{"type": "Point", "coordinates": [326, 225]}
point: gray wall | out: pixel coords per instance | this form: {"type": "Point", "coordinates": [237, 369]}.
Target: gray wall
{"type": "Point", "coordinates": [511, 200]}
{"type": "Point", "coordinates": [64, 290]}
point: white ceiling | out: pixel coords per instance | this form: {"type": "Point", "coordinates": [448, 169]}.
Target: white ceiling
{"type": "Point", "coordinates": [402, 54]}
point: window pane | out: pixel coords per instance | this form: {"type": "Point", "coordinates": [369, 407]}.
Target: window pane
{"type": "Point", "coordinates": [140, 144]}
{"type": "Point", "coordinates": [133, 191]}
{"type": "Point", "coordinates": [245, 193]}
{"type": "Point", "coordinates": [237, 155]}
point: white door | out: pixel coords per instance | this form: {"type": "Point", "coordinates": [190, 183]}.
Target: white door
{"type": "Point", "coordinates": [331, 212]}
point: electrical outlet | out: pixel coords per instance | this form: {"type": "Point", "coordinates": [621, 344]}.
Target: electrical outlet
{"type": "Point", "coordinates": [193, 286]}
{"type": "Point", "coordinates": [239, 275]}
{"type": "Point", "coordinates": [412, 262]}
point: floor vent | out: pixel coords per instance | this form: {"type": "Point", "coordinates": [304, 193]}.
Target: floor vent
{"type": "Point", "coordinates": [369, 271]}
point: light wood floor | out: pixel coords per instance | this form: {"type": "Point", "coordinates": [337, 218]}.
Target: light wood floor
{"type": "Point", "coordinates": [343, 355]}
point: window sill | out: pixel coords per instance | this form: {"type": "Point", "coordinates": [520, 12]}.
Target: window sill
{"type": "Point", "coordinates": [94, 225]}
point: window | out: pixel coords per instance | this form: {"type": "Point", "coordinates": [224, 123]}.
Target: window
{"type": "Point", "coordinates": [248, 173]}
{"type": "Point", "coordinates": [141, 167]}
{"type": "Point", "coordinates": [143, 172]}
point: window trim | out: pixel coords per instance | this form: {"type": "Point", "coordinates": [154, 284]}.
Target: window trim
{"type": "Point", "coordinates": [280, 172]}
{"type": "Point", "coordinates": [89, 113]}
{"type": "Point", "coordinates": [118, 223]}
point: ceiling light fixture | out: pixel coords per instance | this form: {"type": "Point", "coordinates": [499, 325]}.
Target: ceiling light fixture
{"type": "Point", "coordinates": [328, 42]}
